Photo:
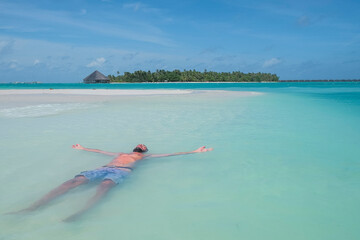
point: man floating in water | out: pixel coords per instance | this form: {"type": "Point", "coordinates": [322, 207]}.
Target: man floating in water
{"type": "Point", "coordinates": [111, 174]}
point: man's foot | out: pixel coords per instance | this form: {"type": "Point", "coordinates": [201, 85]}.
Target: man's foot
{"type": "Point", "coordinates": [72, 218]}
{"type": "Point", "coordinates": [26, 210]}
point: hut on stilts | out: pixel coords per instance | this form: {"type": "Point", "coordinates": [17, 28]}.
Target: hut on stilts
{"type": "Point", "coordinates": [96, 77]}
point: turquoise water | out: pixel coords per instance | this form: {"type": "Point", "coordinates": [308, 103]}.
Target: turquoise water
{"type": "Point", "coordinates": [285, 164]}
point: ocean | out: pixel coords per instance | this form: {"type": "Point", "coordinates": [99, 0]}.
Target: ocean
{"type": "Point", "coordinates": [285, 165]}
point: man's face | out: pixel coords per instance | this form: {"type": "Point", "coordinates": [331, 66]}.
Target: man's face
{"type": "Point", "coordinates": [141, 147]}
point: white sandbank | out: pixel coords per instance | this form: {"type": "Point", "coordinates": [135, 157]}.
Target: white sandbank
{"type": "Point", "coordinates": [101, 92]}
{"type": "Point", "coordinates": [25, 97]}
{"type": "Point", "coordinates": [117, 92]}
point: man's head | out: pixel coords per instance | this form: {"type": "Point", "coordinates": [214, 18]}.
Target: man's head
{"type": "Point", "coordinates": [141, 148]}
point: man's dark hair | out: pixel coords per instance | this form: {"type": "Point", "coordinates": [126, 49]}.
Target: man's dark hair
{"type": "Point", "coordinates": [139, 150]}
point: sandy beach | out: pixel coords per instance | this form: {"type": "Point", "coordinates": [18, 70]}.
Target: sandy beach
{"type": "Point", "coordinates": [116, 92]}
{"type": "Point", "coordinates": [99, 92]}
{"type": "Point", "coordinates": [24, 97]}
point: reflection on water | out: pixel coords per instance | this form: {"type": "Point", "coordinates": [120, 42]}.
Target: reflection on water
{"type": "Point", "coordinates": [284, 167]}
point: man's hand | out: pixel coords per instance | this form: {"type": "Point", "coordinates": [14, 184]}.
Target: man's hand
{"type": "Point", "coordinates": [78, 146]}
{"type": "Point", "coordinates": [203, 149]}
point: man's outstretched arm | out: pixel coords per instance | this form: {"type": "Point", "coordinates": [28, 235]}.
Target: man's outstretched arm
{"type": "Point", "coordinates": [199, 150]}
{"type": "Point", "coordinates": [78, 146]}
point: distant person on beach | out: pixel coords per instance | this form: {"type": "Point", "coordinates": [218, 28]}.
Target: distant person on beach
{"type": "Point", "coordinates": [110, 175]}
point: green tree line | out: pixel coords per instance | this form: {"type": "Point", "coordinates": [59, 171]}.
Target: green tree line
{"type": "Point", "coordinates": [193, 76]}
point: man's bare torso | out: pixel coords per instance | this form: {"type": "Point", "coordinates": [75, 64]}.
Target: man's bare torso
{"type": "Point", "coordinates": [126, 159]}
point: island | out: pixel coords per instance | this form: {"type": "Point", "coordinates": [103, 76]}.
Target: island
{"type": "Point", "coordinates": [192, 76]}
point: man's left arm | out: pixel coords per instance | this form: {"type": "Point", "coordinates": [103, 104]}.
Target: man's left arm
{"type": "Point", "coordinates": [79, 147]}
{"type": "Point", "coordinates": [199, 150]}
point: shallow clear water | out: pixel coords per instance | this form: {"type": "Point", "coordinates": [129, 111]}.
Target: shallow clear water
{"type": "Point", "coordinates": [285, 165]}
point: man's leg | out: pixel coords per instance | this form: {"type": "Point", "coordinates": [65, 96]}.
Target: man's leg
{"type": "Point", "coordinates": [63, 188]}
{"type": "Point", "coordinates": [101, 191]}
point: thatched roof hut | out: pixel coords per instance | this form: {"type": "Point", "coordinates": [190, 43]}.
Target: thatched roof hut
{"type": "Point", "coordinates": [96, 77]}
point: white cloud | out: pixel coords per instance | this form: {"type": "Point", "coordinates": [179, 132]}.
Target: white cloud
{"type": "Point", "coordinates": [13, 64]}
{"type": "Point", "coordinates": [6, 27]}
{"type": "Point", "coordinates": [36, 61]}
{"type": "Point", "coordinates": [97, 63]}
{"type": "Point", "coordinates": [303, 21]}
{"type": "Point", "coordinates": [6, 46]}
{"type": "Point", "coordinates": [140, 6]}
{"type": "Point", "coordinates": [128, 29]}
{"type": "Point", "coordinates": [271, 62]}
{"type": "Point", "coordinates": [134, 6]}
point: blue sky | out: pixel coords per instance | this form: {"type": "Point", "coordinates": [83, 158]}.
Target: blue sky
{"type": "Point", "coordinates": [64, 41]}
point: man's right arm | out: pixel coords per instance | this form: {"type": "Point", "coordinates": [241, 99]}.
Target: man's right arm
{"type": "Point", "coordinates": [78, 146]}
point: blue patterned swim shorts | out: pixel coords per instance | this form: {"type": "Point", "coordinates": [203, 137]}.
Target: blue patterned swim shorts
{"type": "Point", "coordinates": [114, 174]}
